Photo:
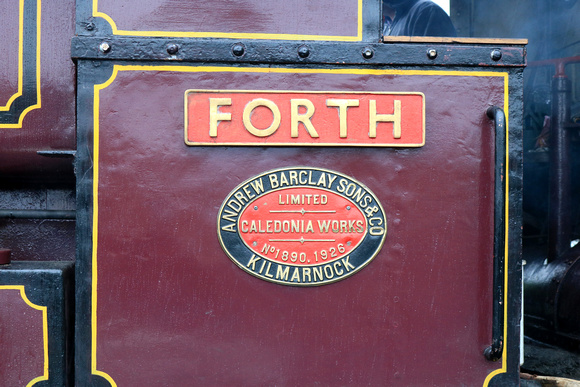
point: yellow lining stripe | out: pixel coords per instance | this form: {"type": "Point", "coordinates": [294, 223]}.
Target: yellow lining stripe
{"type": "Point", "coordinates": [216, 69]}
{"type": "Point", "coordinates": [21, 65]}
{"type": "Point", "coordinates": [43, 309]}
{"type": "Point", "coordinates": [20, 54]}
{"type": "Point", "coordinates": [97, 89]}
{"type": "Point", "coordinates": [232, 35]}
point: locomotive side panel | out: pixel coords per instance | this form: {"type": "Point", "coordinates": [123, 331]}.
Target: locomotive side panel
{"type": "Point", "coordinates": [162, 288]}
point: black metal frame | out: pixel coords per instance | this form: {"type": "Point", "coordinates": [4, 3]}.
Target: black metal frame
{"type": "Point", "coordinates": [295, 52]}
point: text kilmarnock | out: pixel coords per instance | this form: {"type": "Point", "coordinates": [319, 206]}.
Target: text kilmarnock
{"type": "Point", "coordinates": [301, 226]}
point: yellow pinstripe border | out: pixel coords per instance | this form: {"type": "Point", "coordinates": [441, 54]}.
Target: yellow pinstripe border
{"type": "Point", "coordinates": [232, 35]}
{"type": "Point", "coordinates": [21, 65]}
{"type": "Point", "coordinates": [44, 329]}
{"type": "Point", "coordinates": [216, 69]}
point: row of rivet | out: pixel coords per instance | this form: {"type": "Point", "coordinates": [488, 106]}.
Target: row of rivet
{"type": "Point", "coordinates": [239, 49]}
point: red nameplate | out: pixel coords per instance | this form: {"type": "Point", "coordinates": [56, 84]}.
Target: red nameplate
{"type": "Point", "coordinates": [304, 118]}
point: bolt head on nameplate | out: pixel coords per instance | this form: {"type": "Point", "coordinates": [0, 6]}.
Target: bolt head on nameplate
{"type": "Point", "coordinates": [271, 118]}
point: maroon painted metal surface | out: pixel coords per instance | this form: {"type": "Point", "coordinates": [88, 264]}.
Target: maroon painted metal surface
{"type": "Point", "coordinates": [5, 256]}
{"type": "Point", "coordinates": [50, 125]}
{"type": "Point", "coordinates": [22, 352]}
{"type": "Point", "coordinates": [212, 18]}
{"type": "Point", "coordinates": [9, 48]}
{"type": "Point", "coordinates": [170, 308]}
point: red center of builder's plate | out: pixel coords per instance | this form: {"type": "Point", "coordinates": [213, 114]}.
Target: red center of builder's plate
{"type": "Point", "coordinates": [302, 226]}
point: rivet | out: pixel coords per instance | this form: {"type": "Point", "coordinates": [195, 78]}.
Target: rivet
{"type": "Point", "coordinates": [368, 53]}
{"type": "Point", "coordinates": [105, 47]}
{"type": "Point", "coordinates": [238, 49]}
{"type": "Point", "coordinates": [496, 54]}
{"type": "Point", "coordinates": [432, 53]}
{"type": "Point", "coordinates": [172, 49]}
{"type": "Point", "coordinates": [303, 51]}
{"type": "Point", "coordinates": [90, 26]}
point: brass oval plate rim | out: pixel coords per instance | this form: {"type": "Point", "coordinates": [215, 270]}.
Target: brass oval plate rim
{"type": "Point", "coordinates": [377, 246]}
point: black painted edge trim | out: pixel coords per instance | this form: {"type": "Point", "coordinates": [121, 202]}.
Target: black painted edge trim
{"type": "Point", "coordinates": [89, 73]}
{"type": "Point", "coordinates": [509, 375]}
